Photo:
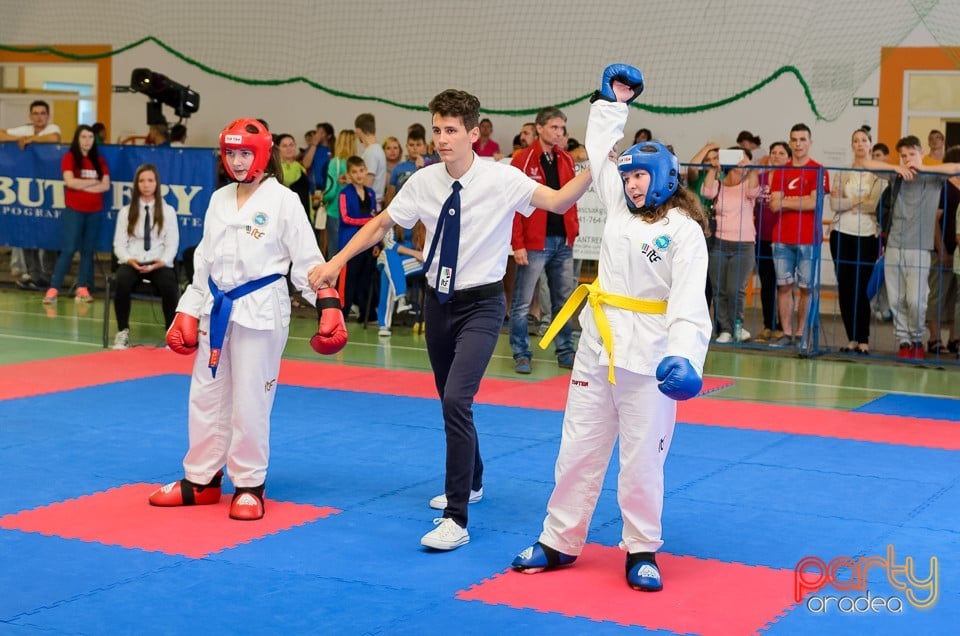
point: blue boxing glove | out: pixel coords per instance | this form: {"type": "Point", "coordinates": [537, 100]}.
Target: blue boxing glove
{"type": "Point", "coordinates": [678, 379]}
{"type": "Point", "coordinates": [629, 75]}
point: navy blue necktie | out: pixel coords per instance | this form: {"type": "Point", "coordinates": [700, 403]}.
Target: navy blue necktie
{"type": "Point", "coordinates": [146, 228]}
{"type": "Point", "coordinates": [449, 225]}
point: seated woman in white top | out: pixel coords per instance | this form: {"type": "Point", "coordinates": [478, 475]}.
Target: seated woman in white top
{"type": "Point", "coordinates": [145, 242]}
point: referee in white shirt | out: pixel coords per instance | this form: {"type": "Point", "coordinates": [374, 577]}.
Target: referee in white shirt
{"type": "Point", "coordinates": [462, 318]}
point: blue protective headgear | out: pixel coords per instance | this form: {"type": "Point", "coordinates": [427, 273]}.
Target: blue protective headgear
{"type": "Point", "coordinates": [653, 158]}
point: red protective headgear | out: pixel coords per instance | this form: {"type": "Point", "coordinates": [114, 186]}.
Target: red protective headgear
{"type": "Point", "coordinates": [247, 134]}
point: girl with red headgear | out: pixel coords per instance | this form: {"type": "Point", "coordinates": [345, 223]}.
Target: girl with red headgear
{"type": "Point", "coordinates": [236, 315]}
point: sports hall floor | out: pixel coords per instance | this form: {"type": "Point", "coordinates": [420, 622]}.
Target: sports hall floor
{"type": "Point", "coordinates": [783, 459]}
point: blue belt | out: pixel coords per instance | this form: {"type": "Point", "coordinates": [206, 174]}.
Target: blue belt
{"type": "Point", "coordinates": [220, 315]}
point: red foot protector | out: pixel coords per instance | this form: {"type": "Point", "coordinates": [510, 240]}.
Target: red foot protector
{"type": "Point", "coordinates": [121, 516]}
{"type": "Point", "coordinates": [701, 596]}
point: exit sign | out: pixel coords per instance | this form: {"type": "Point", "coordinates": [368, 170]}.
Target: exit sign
{"type": "Point", "coordinates": [866, 101]}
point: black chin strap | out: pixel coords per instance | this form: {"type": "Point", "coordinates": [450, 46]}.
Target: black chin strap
{"type": "Point", "coordinates": [639, 211]}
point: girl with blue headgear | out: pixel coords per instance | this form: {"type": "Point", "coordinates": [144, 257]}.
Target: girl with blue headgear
{"type": "Point", "coordinates": [646, 329]}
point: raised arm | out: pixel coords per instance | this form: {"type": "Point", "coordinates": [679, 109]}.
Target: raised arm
{"type": "Point", "coordinates": [693, 171]}
{"type": "Point", "coordinates": [559, 201]}
{"type": "Point", "coordinates": [608, 115]}
{"type": "Point", "coordinates": [307, 160]}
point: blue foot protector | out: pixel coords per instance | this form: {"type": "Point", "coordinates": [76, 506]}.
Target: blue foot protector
{"type": "Point", "coordinates": [643, 573]}
{"type": "Point", "coordinates": [540, 557]}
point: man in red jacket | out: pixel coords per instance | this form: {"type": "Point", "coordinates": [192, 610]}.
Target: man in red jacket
{"type": "Point", "coordinates": [544, 241]}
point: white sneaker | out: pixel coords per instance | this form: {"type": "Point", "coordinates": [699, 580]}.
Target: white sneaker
{"type": "Point", "coordinates": [743, 336]}
{"type": "Point", "coordinates": [383, 332]}
{"type": "Point", "coordinates": [446, 536]}
{"type": "Point", "coordinates": [403, 306]}
{"type": "Point", "coordinates": [724, 338]}
{"type": "Point", "coordinates": [122, 340]}
{"type": "Point", "coordinates": [440, 501]}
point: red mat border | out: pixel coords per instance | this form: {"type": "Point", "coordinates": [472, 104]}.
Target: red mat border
{"type": "Point", "coordinates": [28, 379]}
{"type": "Point", "coordinates": [121, 516]}
{"type": "Point", "coordinates": [692, 600]}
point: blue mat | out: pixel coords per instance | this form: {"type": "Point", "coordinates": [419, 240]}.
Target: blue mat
{"type": "Point", "coordinates": [914, 406]}
{"type": "Point", "coordinates": [740, 496]}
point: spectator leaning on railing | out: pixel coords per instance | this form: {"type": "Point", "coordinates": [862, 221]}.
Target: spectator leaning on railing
{"type": "Point", "coordinates": [37, 263]}
{"type": "Point", "coordinates": [911, 238]}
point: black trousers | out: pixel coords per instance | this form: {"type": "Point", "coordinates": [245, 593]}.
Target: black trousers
{"type": "Point", "coordinates": [164, 282]}
{"type": "Point", "coordinates": [361, 274]}
{"type": "Point", "coordinates": [853, 258]}
{"type": "Point", "coordinates": [461, 336]}
{"type": "Point", "coordinates": [768, 285]}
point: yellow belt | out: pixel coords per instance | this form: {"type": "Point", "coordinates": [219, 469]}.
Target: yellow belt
{"type": "Point", "coordinates": [597, 298]}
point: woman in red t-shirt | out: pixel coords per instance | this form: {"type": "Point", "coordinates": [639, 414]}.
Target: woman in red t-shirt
{"type": "Point", "coordinates": [86, 179]}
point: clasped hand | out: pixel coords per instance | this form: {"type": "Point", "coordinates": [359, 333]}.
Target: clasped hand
{"type": "Point", "coordinates": [144, 268]}
{"type": "Point", "coordinates": [323, 275]}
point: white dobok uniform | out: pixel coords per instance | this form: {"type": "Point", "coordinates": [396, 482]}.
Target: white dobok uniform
{"type": "Point", "coordinates": [666, 261]}
{"type": "Point", "coordinates": [229, 418]}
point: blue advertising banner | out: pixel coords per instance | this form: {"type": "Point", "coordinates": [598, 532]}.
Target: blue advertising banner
{"type": "Point", "coordinates": [32, 197]}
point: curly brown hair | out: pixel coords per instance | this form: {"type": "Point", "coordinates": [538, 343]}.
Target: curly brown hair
{"type": "Point", "coordinates": [685, 200]}
{"type": "Point", "coordinates": [454, 103]}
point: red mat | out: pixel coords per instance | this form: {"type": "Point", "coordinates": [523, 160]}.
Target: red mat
{"type": "Point", "coordinates": [121, 516]}
{"type": "Point", "coordinates": [62, 374]}
{"type": "Point", "coordinates": [801, 420]}
{"type": "Point", "coordinates": [74, 372]}
{"type": "Point", "coordinates": [39, 377]}
{"type": "Point", "coordinates": [701, 596]}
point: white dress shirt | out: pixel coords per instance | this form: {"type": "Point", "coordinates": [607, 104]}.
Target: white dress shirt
{"type": "Point", "coordinates": [491, 193]}
{"type": "Point", "coordinates": [163, 245]}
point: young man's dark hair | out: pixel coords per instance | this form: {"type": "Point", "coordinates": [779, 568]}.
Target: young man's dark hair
{"type": "Point", "coordinates": [911, 141]}
{"type": "Point", "coordinates": [366, 123]}
{"type": "Point", "coordinates": [802, 128]}
{"type": "Point", "coordinates": [39, 102]}
{"type": "Point", "coordinates": [328, 128]}
{"type": "Point", "coordinates": [418, 128]}
{"type": "Point", "coordinates": [454, 103]}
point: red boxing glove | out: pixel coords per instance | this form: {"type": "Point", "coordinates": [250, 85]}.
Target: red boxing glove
{"type": "Point", "coordinates": [331, 334]}
{"type": "Point", "coordinates": [182, 334]}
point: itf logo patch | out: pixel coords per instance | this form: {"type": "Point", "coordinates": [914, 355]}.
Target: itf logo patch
{"type": "Point", "coordinates": [259, 220]}
{"type": "Point", "coordinates": [649, 252]}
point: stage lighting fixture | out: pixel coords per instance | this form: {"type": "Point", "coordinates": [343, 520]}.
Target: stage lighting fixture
{"type": "Point", "coordinates": [163, 90]}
